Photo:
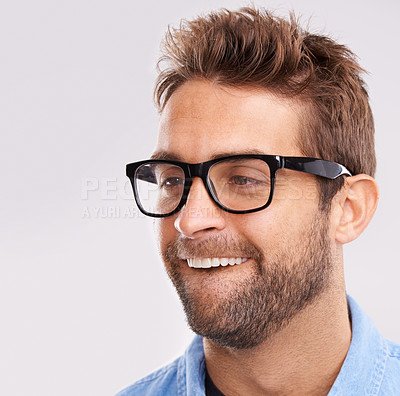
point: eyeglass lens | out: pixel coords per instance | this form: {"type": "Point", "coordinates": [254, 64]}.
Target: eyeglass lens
{"type": "Point", "coordinates": [159, 187]}
{"type": "Point", "coordinates": [241, 184]}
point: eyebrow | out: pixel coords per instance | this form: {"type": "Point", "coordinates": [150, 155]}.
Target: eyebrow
{"type": "Point", "coordinates": [165, 155]}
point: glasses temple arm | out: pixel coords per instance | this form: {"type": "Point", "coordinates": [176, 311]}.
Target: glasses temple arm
{"type": "Point", "coordinates": [314, 166]}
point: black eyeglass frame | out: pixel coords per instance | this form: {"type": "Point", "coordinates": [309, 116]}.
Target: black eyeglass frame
{"type": "Point", "coordinates": [314, 166]}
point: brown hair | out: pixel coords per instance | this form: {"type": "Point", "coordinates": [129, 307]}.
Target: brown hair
{"type": "Point", "coordinates": [253, 48]}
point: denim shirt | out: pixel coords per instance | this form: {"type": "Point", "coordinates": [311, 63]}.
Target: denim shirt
{"type": "Point", "coordinates": [371, 367]}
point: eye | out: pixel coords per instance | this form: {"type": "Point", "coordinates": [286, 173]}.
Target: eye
{"type": "Point", "coordinates": [242, 180]}
{"type": "Point", "coordinates": [172, 182]}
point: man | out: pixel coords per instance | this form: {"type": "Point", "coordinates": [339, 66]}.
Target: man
{"type": "Point", "coordinates": [263, 170]}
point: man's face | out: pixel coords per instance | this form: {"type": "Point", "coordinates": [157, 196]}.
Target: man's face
{"type": "Point", "coordinates": [285, 249]}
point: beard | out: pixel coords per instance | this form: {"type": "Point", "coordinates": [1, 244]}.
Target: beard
{"type": "Point", "coordinates": [258, 306]}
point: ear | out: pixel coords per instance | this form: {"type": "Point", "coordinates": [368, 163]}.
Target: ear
{"type": "Point", "coordinates": [358, 205]}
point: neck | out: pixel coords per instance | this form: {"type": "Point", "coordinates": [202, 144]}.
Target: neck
{"type": "Point", "coordinates": [304, 358]}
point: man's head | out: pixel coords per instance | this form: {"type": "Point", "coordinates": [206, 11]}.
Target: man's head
{"type": "Point", "coordinates": [247, 82]}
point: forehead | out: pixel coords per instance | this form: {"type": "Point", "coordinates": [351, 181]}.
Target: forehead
{"type": "Point", "coordinates": [203, 119]}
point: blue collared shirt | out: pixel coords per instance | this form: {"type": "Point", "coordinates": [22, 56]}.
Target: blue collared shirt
{"type": "Point", "coordinates": [371, 367]}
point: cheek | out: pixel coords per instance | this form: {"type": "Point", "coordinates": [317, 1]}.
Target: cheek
{"type": "Point", "coordinates": [165, 231]}
{"type": "Point", "coordinates": [296, 190]}
{"type": "Point", "coordinates": [278, 227]}
{"type": "Point", "coordinates": [259, 228]}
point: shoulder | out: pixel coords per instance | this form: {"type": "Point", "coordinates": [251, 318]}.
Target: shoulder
{"type": "Point", "coordinates": [184, 376]}
{"type": "Point", "coordinates": [393, 350]}
{"type": "Point", "coordinates": [162, 381]}
{"type": "Point", "coordinates": [391, 368]}
{"type": "Point", "coordinates": [393, 356]}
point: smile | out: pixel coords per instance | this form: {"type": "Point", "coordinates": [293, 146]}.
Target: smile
{"type": "Point", "coordinates": [214, 262]}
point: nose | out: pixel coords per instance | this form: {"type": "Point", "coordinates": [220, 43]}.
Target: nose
{"type": "Point", "coordinates": [200, 216]}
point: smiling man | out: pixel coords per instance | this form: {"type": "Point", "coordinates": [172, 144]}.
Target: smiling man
{"type": "Point", "coordinates": [263, 169]}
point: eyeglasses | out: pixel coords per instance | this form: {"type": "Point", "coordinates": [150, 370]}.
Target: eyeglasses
{"type": "Point", "coordinates": [237, 184]}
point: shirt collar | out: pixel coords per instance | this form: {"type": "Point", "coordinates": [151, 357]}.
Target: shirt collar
{"type": "Point", "coordinates": [191, 370]}
{"type": "Point", "coordinates": [363, 369]}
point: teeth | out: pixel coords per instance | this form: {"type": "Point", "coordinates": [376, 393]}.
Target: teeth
{"type": "Point", "coordinates": [214, 261]}
{"type": "Point", "coordinates": [201, 263]}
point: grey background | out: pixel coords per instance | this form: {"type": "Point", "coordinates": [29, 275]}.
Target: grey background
{"type": "Point", "coordinates": [85, 305]}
